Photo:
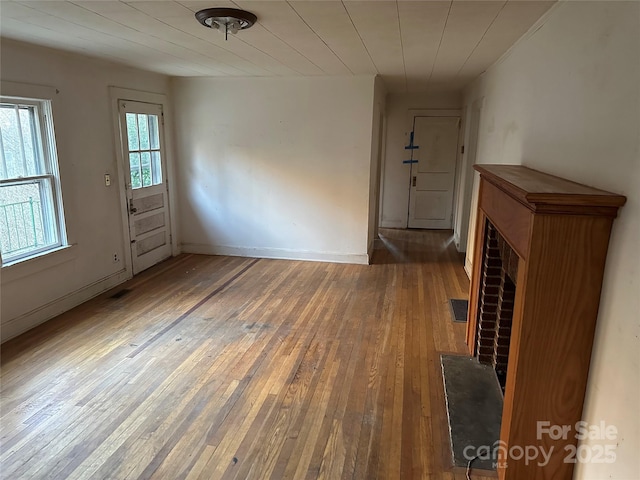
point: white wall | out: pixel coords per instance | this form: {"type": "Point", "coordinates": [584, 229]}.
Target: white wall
{"type": "Point", "coordinates": [566, 100]}
{"type": "Point", "coordinates": [275, 167]}
{"type": "Point", "coordinates": [37, 290]}
{"type": "Point", "coordinates": [396, 175]}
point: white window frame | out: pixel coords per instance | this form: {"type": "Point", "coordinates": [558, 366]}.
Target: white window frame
{"type": "Point", "coordinates": [12, 94]}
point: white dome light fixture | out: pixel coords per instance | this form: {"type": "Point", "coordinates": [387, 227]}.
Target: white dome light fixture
{"type": "Point", "coordinates": [227, 20]}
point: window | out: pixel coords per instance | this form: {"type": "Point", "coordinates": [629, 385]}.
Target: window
{"type": "Point", "coordinates": [31, 217]}
{"type": "Point", "coordinates": [144, 150]}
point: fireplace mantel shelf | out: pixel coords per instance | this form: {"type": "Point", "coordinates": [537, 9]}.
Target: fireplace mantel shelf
{"type": "Point", "coordinates": [559, 231]}
{"type": "Point", "coordinates": [541, 192]}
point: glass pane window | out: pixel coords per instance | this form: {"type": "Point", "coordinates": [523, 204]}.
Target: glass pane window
{"type": "Point", "coordinates": [156, 168]}
{"type": "Point", "coordinates": [146, 169]}
{"type": "Point", "coordinates": [143, 126]}
{"type": "Point", "coordinates": [26, 221]}
{"type": "Point", "coordinates": [145, 163]}
{"type": "Point", "coordinates": [30, 213]}
{"type": "Point", "coordinates": [132, 132]}
{"type": "Point", "coordinates": [136, 172]}
{"type": "Point", "coordinates": [19, 145]}
{"type": "Point", "coordinates": [154, 136]}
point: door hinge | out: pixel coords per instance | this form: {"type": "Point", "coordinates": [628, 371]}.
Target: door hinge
{"type": "Point", "coordinates": [162, 117]}
{"type": "Point", "coordinates": [413, 182]}
{"type": "Point", "coordinates": [462, 149]}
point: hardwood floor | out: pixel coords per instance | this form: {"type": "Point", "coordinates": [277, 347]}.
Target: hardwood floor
{"type": "Point", "coordinates": [227, 367]}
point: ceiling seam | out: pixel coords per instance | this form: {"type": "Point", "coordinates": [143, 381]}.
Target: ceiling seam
{"type": "Point", "coordinates": [481, 38]}
{"type": "Point", "coordinates": [293, 48]}
{"type": "Point", "coordinates": [107, 57]}
{"type": "Point", "coordinates": [107, 34]}
{"type": "Point", "coordinates": [265, 68]}
{"type": "Point", "coordinates": [132, 41]}
{"type": "Point", "coordinates": [220, 48]}
{"type": "Point", "coordinates": [270, 56]}
{"type": "Point", "coordinates": [132, 5]}
{"type": "Point", "coordinates": [319, 37]}
{"type": "Point", "coordinates": [444, 28]}
{"type": "Point", "coordinates": [360, 37]}
{"type": "Point", "coordinates": [234, 53]}
{"type": "Point", "coordinates": [163, 40]}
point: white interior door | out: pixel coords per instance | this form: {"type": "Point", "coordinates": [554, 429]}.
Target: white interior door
{"type": "Point", "coordinates": [435, 146]}
{"type": "Point", "coordinates": [141, 127]}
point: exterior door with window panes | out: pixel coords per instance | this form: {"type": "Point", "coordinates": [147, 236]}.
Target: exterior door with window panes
{"type": "Point", "coordinates": [141, 126]}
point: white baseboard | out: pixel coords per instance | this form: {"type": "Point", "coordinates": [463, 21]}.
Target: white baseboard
{"type": "Point", "coordinates": [393, 224]}
{"type": "Point", "coordinates": [27, 321]}
{"type": "Point", "coordinates": [456, 241]}
{"type": "Point", "coordinates": [275, 253]}
{"type": "Point", "coordinates": [370, 251]}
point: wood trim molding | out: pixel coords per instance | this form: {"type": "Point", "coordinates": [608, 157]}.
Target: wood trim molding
{"type": "Point", "coordinates": [544, 193]}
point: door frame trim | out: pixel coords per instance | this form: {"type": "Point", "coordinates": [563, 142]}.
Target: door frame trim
{"type": "Point", "coordinates": [430, 112]}
{"type": "Point", "coordinates": [115, 95]}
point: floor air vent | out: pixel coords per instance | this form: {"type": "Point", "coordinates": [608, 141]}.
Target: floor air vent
{"type": "Point", "coordinates": [120, 293]}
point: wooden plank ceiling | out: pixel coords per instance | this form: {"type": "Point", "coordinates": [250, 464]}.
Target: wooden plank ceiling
{"type": "Point", "coordinates": [414, 45]}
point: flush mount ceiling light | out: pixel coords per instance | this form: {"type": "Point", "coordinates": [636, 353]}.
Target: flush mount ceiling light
{"type": "Point", "coordinates": [227, 20]}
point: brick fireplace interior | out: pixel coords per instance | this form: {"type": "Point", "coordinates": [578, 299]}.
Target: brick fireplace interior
{"type": "Point", "coordinates": [496, 298]}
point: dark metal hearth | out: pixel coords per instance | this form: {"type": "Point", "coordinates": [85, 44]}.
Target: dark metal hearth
{"type": "Point", "coordinates": [474, 409]}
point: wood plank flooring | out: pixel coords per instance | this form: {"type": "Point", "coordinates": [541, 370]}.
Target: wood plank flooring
{"type": "Point", "coordinates": [236, 368]}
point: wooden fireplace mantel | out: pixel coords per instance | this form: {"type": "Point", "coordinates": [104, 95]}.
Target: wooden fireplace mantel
{"type": "Point", "coordinates": [560, 232]}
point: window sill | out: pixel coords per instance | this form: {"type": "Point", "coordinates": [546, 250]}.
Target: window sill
{"type": "Point", "coordinates": [29, 266]}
